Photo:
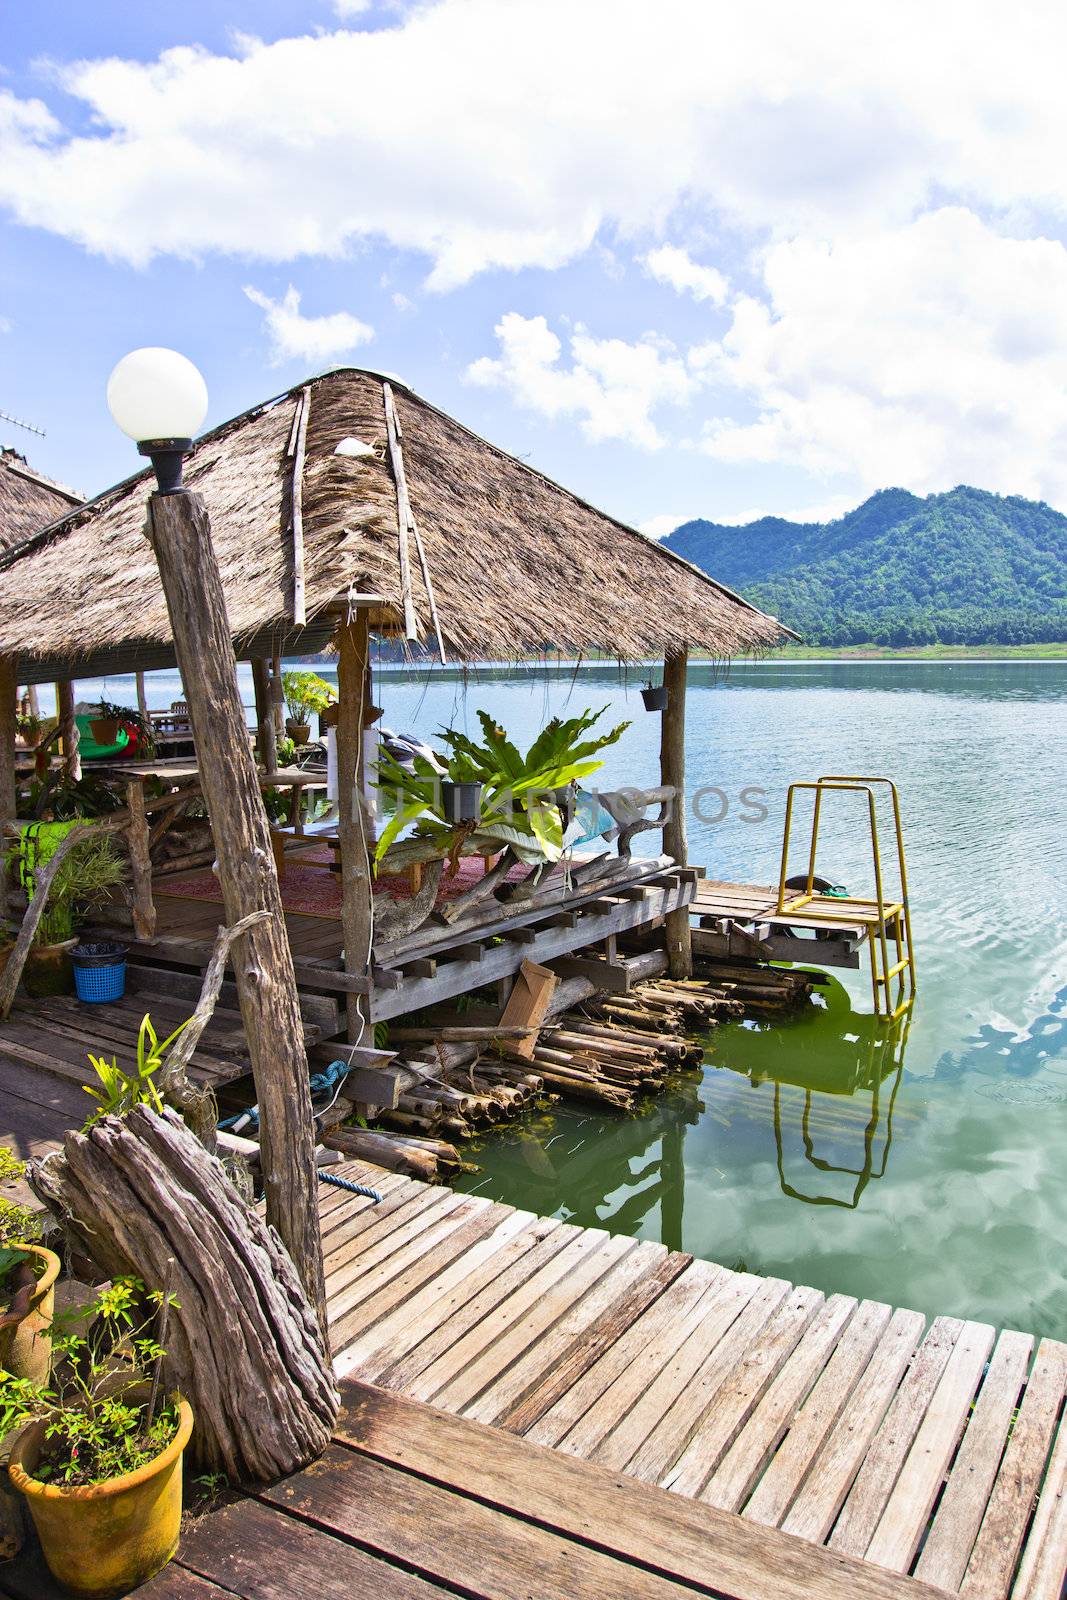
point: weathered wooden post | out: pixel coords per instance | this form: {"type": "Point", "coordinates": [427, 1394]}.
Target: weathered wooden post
{"type": "Point", "coordinates": [68, 730]}
{"type": "Point", "coordinates": [8, 791]}
{"type": "Point", "coordinates": [672, 771]}
{"type": "Point", "coordinates": [277, 697]}
{"type": "Point", "coordinates": [266, 742]}
{"type": "Point", "coordinates": [142, 696]}
{"type": "Point", "coordinates": [353, 641]}
{"type": "Point", "coordinates": [180, 533]}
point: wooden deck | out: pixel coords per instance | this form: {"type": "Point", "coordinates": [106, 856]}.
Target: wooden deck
{"type": "Point", "coordinates": [408, 1502]}
{"type": "Point", "coordinates": [856, 1427]}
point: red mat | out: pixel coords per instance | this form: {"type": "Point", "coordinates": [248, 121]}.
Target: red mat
{"type": "Point", "coordinates": [313, 891]}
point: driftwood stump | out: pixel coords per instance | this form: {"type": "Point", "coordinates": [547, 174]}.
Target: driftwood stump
{"type": "Point", "coordinates": [244, 1347]}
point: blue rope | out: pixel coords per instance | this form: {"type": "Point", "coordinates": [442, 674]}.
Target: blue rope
{"type": "Point", "coordinates": [320, 1083]}
{"type": "Point", "coordinates": [346, 1183]}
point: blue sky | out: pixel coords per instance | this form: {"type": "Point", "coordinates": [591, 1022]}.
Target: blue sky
{"type": "Point", "coordinates": [712, 261]}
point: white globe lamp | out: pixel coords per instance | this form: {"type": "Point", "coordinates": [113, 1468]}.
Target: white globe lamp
{"type": "Point", "coordinates": [159, 399]}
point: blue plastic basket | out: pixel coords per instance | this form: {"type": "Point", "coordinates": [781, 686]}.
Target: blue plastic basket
{"type": "Point", "coordinates": [99, 972]}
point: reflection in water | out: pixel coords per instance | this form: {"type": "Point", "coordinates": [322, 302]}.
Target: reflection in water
{"type": "Point", "coordinates": [630, 1172]}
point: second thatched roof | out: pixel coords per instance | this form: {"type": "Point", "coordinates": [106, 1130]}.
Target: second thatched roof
{"type": "Point", "coordinates": [517, 563]}
{"type": "Point", "coordinates": [28, 500]}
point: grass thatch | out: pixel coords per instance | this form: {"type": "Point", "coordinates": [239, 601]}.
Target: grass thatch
{"type": "Point", "coordinates": [28, 501]}
{"type": "Point", "coordinates": [518, 564]}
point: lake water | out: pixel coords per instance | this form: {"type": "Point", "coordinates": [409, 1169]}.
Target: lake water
{"type": "Point", "coordinates": [922, 1166]}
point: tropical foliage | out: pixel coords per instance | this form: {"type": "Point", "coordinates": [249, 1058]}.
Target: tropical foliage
{"type": "Point", "coordinates": [120, 1090]}
{"type": "Point", "coordinates": [521, 794]}
{"type": "Point", "coordinates": [965, 567]}
{"type": "Point", "coordinates": [306, 694]}
{"type": "Point", "coordinates": [83, 879]}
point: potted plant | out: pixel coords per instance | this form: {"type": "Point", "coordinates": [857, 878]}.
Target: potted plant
{"type": "Point", "coordinates": [100, 1457]}
{"type": "Point", "coordinates": [655, 696]}
{"type": "Point", "coordinates": [306, 695]}
{"type": "Point", "coordinates": [28, 1274]}
{"type": "Point", "coordinates": [84, 879]}
{"type": "Point", "coordinates": [108, 720]}
{"type": "Point", "coordinates": [518, 796]}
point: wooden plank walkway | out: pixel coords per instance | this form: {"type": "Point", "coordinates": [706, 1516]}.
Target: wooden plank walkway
{"type": "Point", "coordinates": [408, 1502]}
{"type": "Point", "coordinates": [939, 1452]}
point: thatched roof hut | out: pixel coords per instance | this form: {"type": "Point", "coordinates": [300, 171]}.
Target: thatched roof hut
{"type": "Point", "coordinates": [517, 563]}
{"type": "Point", "coordinates": [28, 500]}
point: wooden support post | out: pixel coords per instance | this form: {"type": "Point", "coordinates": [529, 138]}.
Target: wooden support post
{"type": "Point", "coordinates": [8, 792]}
{"type": "Point", "coordinates": [180, 533]}
{"type": "Point", "coordinates": [137, 841]}
{"type": "Point", "coordinates": [34, 700]}
{"type": "Point", "coordinates": [266, 742]}
{"type": "Point", "coordinates": [672, 772]}
{"type": "Point", "coordinates": [68, 730]}
{"type": "Point", "coordinates": [277, 698]}
{"type": "Point", "coordinates": [356, 911]}
{"type": "Point", "coordinates": [142, 696]}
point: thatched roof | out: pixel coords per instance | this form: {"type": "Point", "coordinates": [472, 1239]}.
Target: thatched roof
{"type": "Point", "coordinates": [517, 563]}
{"type": "Point", "coordinates": [28, 500]}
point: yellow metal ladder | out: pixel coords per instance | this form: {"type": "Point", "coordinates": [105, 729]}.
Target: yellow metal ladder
{"type": "Point", "coordinates": [887, 922]}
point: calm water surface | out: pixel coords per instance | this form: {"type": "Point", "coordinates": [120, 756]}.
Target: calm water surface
{"type": "Point", "coordinates": [924, 1167]}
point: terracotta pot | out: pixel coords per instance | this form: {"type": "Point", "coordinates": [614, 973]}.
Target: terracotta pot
{"type": "Point", "coordinates": [299, 732]}
{"type": "Point", "coordinates": [26, 1329]}
{"type": "Point", "coordinates": [105, 730]}
{"type": "Point", "coordinates": [49, 969]}
{"type": "Point", "coordinates": [103, 1539]}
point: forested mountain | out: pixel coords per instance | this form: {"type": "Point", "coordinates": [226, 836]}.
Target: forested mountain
{"type": "Point", "coordinates": [965, 567]}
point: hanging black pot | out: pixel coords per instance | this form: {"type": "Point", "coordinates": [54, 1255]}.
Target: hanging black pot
{"type": "Point", "coordinates": [655, 696]}
{"type": "Point", "coordinates": [461, 802]}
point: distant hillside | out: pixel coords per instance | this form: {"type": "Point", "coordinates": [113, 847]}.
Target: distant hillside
{"type": "Point", "coordinates": [966, 567]}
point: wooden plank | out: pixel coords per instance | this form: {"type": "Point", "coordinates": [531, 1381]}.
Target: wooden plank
{"type": "Point", "coordinates": [612, 976]}
{"type": "Point", "coordinates": [467, 1227]}
{"type": "Point", "coordinates": [680, 1538]}
{"type": "Point", "coordinates": [522, 1376]}
{"type": "Point", "coordinates": [528, 1004]}
{"type": "Point", "coordinates": [616, 1318]}
{"type": "Point", "coordinates": [874, 1483]}
{"type": "Point", "coordinates": [1044, 1562]}
{"type": "Point", "coordinates": [996, 1550]}
{"type": "Point", "coordinates": [347, 1233]}
{"type": "Point", "coordinates": [737, 1396]}
{"type": "Point", "coordinates": [651, 1438]}
{"type": "Point", "coordinates": [352, 1279]}
{"type": "Point", "coordinates": [27, 1578]}
{"type": "Point", "coordinates": [528, 1316]}
{"type": "Point", "coordinates": [743, 1461]}
{"type": "Point", "coordinates": [811, 1425]}
{"type": "Point", "coordinates": [903, 1522]}
{"type": "Point", "coordinates": [255, 1550]}
{"type": "Point", "coordinates": [487, 1286]}
{"type": "Point", "coordinates": [834, 1468]}
{"type": "Point", "coordinates": [948, 1545]}
{"type": "Point", "coordinates": [596, 1401]}
{"type": "Point", "coordinates": [374, 1348]}
{"type": "Point", "coordinates": [456, 1541]}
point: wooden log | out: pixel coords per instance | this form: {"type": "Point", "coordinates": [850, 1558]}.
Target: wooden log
{"type": "Point", "coordinates": [672, 773]}
{"type": "Point", "coordinates": [417, 1105]}
{"type": "Point", "coordinates": [68, 729]}
{"type": "Point", "coordinates": [137, 843]}
{"type": "Point", "coordinates": [353, 652]}
{"type": "Point", "coordinates": [408, 1122]}
{"type": "Point", "coordinates": [300, 448]}
{"type": "Point", "coordinates": [142, 696]}
{"type": "Point", "coordinates": [8, 789]}
{"type": "Point", "coordinates": [277, 695]}
{"type": "Point", "coordinates": [180, 534]}
{"type": "Point", "coordinates": [137, 1192]}
{"type": "Point", "coordinates": [266, 737]}
{"type": "Point", "coordinates": [365, 1144]}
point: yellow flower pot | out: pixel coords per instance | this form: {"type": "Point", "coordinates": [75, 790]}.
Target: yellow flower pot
{"type": "Point", "coordinates": [26, 1339]}
{"type": "Point", "coordinates": [103, 1539]}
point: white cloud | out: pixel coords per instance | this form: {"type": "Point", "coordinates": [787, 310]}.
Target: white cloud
{"type": "Point", "coordinates": [612, 386]}
{"type": "Point", "coordinates": [530, 129]}
{"type": "Point", "coordinates": [351, 8]}
{"type": "Point", "coordinates": [676, 267]}
{"type": "Point", "coordinates": [294, 337]}
{"type": "Point", "coordinates": [659, 527]}
{"type": "Point", "coordinates": [5, 324]}
{"type": "Point", "coordinates": [926, 355]}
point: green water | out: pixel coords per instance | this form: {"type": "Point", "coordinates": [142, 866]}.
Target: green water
{"type": "Point", "coordinates": [924, 1168]}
